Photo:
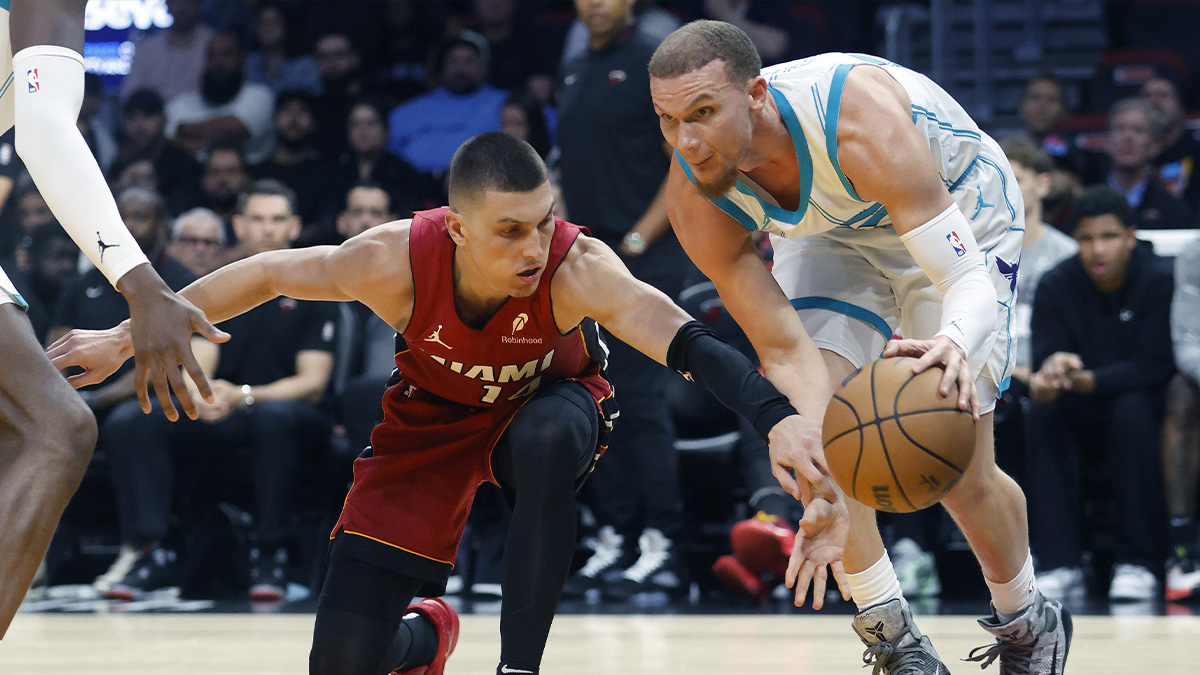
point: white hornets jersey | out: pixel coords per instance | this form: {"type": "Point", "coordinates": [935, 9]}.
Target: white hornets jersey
{"type": "Point", "coordinates": [808, 94]}
{"type": "Point", "coordinates": [7, 97]}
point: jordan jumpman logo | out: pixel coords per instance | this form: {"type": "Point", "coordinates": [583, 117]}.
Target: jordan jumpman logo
{"type": "Point", "coordinates": [103, 246]}
{"type": "Point", "coordinates": [433, 337]}
{"type": "Point", "coordinates": [979, 203]}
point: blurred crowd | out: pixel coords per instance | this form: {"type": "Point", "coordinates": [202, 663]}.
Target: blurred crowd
{"type": "Point", "coordinates": [250, 126]}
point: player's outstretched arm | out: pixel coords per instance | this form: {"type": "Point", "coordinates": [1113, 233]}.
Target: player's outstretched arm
{"type": "Point", "coordinates": [887, 159]}
{"type": "Point", "coordinates": [371, 268]}
{"type": "Point", "coordinates": [47, 38]}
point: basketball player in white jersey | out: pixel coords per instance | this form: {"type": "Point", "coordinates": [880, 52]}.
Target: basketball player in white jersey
{"type": "Point", "coordinates": [46, 431]}
{"type": "Point", "coordinates": [891, 213]}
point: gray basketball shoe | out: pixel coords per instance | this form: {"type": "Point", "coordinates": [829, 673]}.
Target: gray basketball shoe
{"type": "Point", "coordinates": [894, 645]}
{"type": "Point", "coordinates": [1034, 643]}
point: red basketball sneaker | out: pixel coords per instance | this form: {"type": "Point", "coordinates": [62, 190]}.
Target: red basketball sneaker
{"type": "Point", "coordinates": [445, 620]}
{"type": "Point", "coordinates": [763, 544]}
{"type": "Point", "coordinates": [738, 579]}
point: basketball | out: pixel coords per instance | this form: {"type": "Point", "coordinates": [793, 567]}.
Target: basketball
{"type": "Point", "coordinates": [891, 441]}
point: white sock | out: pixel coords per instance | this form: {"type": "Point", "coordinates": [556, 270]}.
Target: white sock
{"type": "Point", "coordinates": [1012, 597]}
{"type": "Point", "coordinates": [875, 585]}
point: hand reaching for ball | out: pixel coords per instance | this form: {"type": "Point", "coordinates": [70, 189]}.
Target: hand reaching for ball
{"type": "Point", "coordinates": [941, 350]}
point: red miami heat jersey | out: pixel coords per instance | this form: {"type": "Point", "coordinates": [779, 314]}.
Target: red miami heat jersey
{"type": "Point", "coordinates": [454, 392]}
{"type": "Point", "coordinates": [501, 364]}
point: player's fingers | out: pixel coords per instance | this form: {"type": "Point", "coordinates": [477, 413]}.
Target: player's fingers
{"type": "Point", "coordinates": [84, 379]}
{"type": "Point", "coordinates": [927, 360]}
{"type": "Point", "coordinates": [802, 582]}
{"type": "Point", "coordinates": [819, 580]}
{"type": "Point", "coordinates": [892, 349]}
{"type": "Point", "coordinates": [210, 332]}
{"type": "Point", "coordinates": [843, 581]}
{"type": "Point", "coordinates": [195, 372]}
{"type": "Point", "coordinates": [786, 481]}
{"type": "Point", "coordinates": [140, 377]}
{"type": "Point", "coordinates": [162, 389]}
{"type": "Point", "coordinates": [175, 378]}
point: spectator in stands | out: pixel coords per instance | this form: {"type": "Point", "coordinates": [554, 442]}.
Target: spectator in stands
{"type": "Point", "coordinates": [368, 158]}
{"type": "Point", "coordinates": [517, 53]}
{"type": "Point", "coordinates": [1178, 149]}
{"type": "Point", "coordinates": [91, 302]}
{"type": "Point", "coordinates": [764, 22]}
{"type": "Point", "coordinates": [52, 261]}
{"type": "Point", "coordinates": [1042, 247]}
{"type": "Point", "coordinates": [614, 169]}
{"type": "Point", "coordinates": [340, 66]}
{"type": "Point", "coordinates": [427, 129]}
{"type": "Point", "coordinates": [170, 61]}
{"type": "Point", "coordinates": [224, 177]}
{"type": "Point", "coordinates": [97, 116]}
{"type": "Point", "coordinates": [263, 424]}
{"type": "Point", "coordinates": [1102, 347]}
{"type": "Point", "coordinates": [272, 62]}
{"type": "Point", "coordinates": [1133, 127]}
{"type": "Point", "coordinates": [368, 348]}
{"type": "Point", "coordinates": [521, 116]}
{"type": "Point", "coordinates": [1181, 433]}
{"type": "Point", "coordinates": [11, 169]}
{"type": "Point", "coordinates": [132, 171]}
{"type": "Point", "coordinates": [177, 173]}
{"type": "Point", "coordinates": [198, 240]}
{"type": "Point", "coordinates": [1042, 110]}
{"type": "Point", "coordinates": [296, 163]}
{"type": "Point", "coordinates": [225, 109]}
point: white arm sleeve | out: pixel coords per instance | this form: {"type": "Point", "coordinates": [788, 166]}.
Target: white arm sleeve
{"type": "Point", "coordinates": [49, 91]}
{"type": "Point", "coordinates": [947, 252]}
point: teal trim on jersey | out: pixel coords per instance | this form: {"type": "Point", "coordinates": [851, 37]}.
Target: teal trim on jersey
{"type": "Point", "coordinates": [1003, 183]}
{"type": "Point", "coordinates": [724, 203]}
{"type": "Point", "coordinates": [7, 84]}
{"type": "Point", "coordinates": [1003, 386]}
{"type": "Point", "coordinates": [873, 60]}
{"type": "Point", "coordinates": [803, 160]}
{"type": "Point", "coordinates": [842, 307]}
{"type": "Point", "coordinates": [4, 4]}
{"type": "Point", "coordinates": [954, 186]}
{"type": "Point", "coordinates": [831, 119]}
{"type": "Point", "coordinates": [865, 213]}
{"type": "Point", "coordinates": [20, 301]}
{"type": "Point", "coordinates": [820, 107]}
{"type": "Point", "coordinates": [919, 111]}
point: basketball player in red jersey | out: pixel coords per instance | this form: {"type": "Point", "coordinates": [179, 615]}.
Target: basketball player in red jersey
{"type": "Point", "coordinates": [498, 379]}
{"type": "Point", "coordinates": [47, 432]}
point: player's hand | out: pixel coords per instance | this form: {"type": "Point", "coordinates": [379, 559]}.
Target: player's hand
{"type": "Point", "coordinates": [795, 445]}
{"type": "Point", "coordinates": [820, 543]}
{"type": "Point", "coordinates": [161, 328]}
{"type": "Point", "coordinates": [99, 352]}
{"type": "Point", "coordinates": [941, 350]}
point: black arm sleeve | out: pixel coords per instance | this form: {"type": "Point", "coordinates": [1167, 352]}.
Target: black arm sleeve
{"type": "Point", "coordinates": [699, 355]}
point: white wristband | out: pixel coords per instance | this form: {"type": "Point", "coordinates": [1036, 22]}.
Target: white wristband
{"type": "Point", "coordinates": [49, 93]}
{"type": "Point", "coordinates": [947, 252]}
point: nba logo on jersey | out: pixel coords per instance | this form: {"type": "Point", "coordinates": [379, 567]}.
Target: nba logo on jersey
{"type": "Point", "coordinates": [31, 77]}
{"type": "Point", "coordinates": [959, 249]}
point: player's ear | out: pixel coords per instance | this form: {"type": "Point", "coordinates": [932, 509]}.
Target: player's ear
{"type": "Point", "coordinates": [758, 91]}
{"type": "Point", "coordinates": [454, 226]}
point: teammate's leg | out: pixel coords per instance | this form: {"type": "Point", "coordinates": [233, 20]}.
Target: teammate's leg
{"type": "Point", "coordinates": [46, 438]}
{"type": "Point", "coordinates": [545, 453]}
{"type": "Point", "coordinates": [362, 627]}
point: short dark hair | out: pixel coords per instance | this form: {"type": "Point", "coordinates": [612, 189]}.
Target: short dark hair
{"type": "Point", "coordinates": [698, 43]}
{"type": "Point", "coordinates": [270, 187]}
{"type": "Point", "coordinates": [145, 101]}
{"type": "Point", "coordinates": [1101, 200]}
{"type": "Point", "coordinates": [295, 94]}
{"type": "Point", "coordinates": [494, 161]}
{"type": "Point", "coordinates": [1023, 151]}
{"type": "Point", "coordinates": [365, 184]}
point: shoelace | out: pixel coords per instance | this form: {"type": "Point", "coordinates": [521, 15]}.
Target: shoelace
{"type": "Point", "coordinates": [884, 655]}
{"type": "Point", "coordinates": [648, 563]}
{"type": "Point", "coordinates": [1017, 659]}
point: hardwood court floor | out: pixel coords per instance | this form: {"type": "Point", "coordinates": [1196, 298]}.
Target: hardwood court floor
{"type": "Point", "coordinates": [226, 644]}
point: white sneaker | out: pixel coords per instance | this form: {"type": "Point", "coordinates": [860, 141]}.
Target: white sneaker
{"type": "Point", "coordinates": [1062, 583]}
{"type": "Point", "coordinates": [1133, 583]}
{"type": "Point", "coordinates": [126, 557]}
{"type": "Point", "coordinates": [916, 570]}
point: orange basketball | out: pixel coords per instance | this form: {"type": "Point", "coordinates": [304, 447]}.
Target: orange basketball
{"type": "Point", "coordinates": [892, 442]}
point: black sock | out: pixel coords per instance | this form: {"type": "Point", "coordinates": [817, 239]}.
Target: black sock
{"type": "Point", "coordinates": [416, 641]}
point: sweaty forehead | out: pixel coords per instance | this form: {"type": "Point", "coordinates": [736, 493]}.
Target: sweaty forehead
{"type": "Point", "coordinates": [709, 81]}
